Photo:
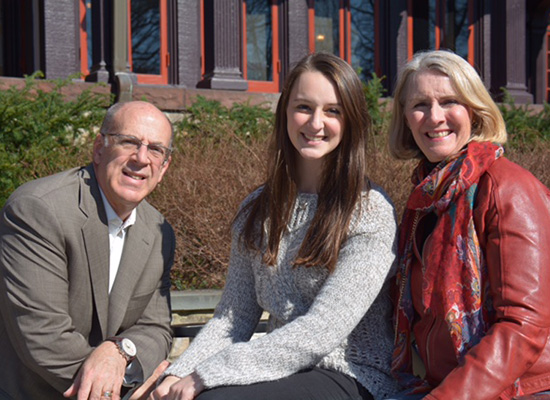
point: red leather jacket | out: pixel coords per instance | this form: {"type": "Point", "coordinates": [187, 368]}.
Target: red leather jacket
{"type": "Point", "coordinates": [512, 219]}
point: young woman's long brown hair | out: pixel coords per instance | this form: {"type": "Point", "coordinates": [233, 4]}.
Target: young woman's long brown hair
{"type": "Point", "coordinates": [342, 181]}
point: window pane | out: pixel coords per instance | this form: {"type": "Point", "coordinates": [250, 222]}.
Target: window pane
{"type": "Point", "coordinates": [362, 37]}
{"type": "Point", "coordinates": [259, 36]}
{"type": "Point", "coordinates": [452, 24]}
{"type": "Point", "coordinates": [459, 33]}
{"type": "Point", "coordinates": [327, 26]}
{"type": "Point", "coordinates": [432, 23]}
{"type": "Point", "coordinates": [145, 17]}
{"type": "Point", "coordinates": [423, 25]}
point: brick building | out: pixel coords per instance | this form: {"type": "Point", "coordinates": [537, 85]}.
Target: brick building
{"type": "Point", "coordinates": [172, 49]}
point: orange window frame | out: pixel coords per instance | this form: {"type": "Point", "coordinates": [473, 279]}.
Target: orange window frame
{"type": "Point", "coordinates": [344, 29]}
{"type": "Point", "coordinates": [410, 30]}
{"type": "Point", "coordinates": [83, 40]}
{"type": "Point", "coordinates": [264, 86]}
{"type": "Point", "coordinates": [439, 31]}
{"type": "Point", "coordinates": [471, 36]}
{"type": "Point", "coordinates": [343, 17]}
{"type": "Point", "coordinates": [345, 49]}
{"type": "Point", "coordinates": [162, 78]}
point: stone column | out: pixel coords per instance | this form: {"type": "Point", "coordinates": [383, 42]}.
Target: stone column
{"type": "Point", "coordinates": [61, 38]}
{"type": "Point", "coordinates": [394, 36]}
{"type": "Point", "coordinates": [121, 62]}
{"type": "Point", "coordinates": [484, 48]}
{"type": "Point", "coordinates": [298, 31]}
{"type": "Point", "coordinates": [515, 61]}
{"type": "Point", "coordinates": [223, 42]}
{"type": "Point", "coordinates": [124, 80]}
{"type": "Point", "coordinates": [187, 48]}
{"type": "Point", "coordinates": [538, 49]}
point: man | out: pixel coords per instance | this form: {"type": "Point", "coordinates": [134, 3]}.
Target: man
{"type": "Point", "coordinates": [84, 268]}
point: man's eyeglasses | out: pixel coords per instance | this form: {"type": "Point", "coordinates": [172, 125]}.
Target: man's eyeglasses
{"type": "Point", "coordinates": [132, 144]}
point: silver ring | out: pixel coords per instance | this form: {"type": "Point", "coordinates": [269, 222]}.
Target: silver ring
{"type": "Point", "coordinates": [107, 394]}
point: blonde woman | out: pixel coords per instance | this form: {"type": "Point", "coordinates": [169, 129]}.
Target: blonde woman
{"type": "Point", "coordinates": [473, 259]}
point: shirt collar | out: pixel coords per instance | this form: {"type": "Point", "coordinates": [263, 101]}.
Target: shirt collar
{"type": "Point", "coordinates": [115, 222]}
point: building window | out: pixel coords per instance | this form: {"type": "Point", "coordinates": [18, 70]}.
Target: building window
{"type": "Point", "coordinates": [148, 40]}
{"type": "Point", "coordinates": [21, 49]}
{"type": "Point", "coordinates": [148, 55]}
{"type": "Point", "coordinates": [86, 44]}
{"type": "Point", "coordinates": [346, 28]}
{"type": "Point", "coordinates": [364, 35]}
{"type": "Point", "coordinates": [442, 24]}
{"type": "Point", "coordinates": [261, 41]}
{"type": "Point", "coordinates": [328, 26]}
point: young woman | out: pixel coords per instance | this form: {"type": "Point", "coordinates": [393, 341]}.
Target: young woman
{"type": "Point", "coordinates": [473, 244]}
{"type": "Point", "coordinates": [314, 247]}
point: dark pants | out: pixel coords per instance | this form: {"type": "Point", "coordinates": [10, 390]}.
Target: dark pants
{"type": "Point", "coordinates": [310, 384]}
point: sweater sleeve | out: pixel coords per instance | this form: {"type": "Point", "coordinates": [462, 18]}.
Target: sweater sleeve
{"type": "Point", "coordinates": [234, 320]}
{"type": "Point", "coordinates": [365, 261]}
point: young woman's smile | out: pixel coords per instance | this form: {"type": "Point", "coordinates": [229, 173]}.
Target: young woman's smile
{"type": "Point", "coordinates": [314, 120]}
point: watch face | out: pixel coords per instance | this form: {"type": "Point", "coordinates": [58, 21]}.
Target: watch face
{"type": "Point", "coordinates": [129, 347]}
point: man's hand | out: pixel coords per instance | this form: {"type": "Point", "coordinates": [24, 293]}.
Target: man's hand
{"type": "Point", "coordinates": [103, 371]}
{"type": "Point", "coordinates": [145, 389]}
{"type": "Point", "coordinates": [174, 388]}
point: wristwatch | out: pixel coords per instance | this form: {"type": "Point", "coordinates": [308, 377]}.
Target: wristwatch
{"type": "Point", "coordinates": [126, 347]}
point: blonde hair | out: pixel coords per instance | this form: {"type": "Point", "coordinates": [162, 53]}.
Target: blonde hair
{"type": "Point", "coordinates": [487, 122]}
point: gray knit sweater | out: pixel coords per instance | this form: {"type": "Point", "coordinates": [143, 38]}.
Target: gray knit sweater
{"type": "Point", "coordinates": [339, 321]}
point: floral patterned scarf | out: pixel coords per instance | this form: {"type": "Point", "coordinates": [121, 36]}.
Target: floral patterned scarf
{"type": "Point", "coordinates": [454, 280]}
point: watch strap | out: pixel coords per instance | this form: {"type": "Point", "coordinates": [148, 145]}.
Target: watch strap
{"type": "Point", "coordinates": [118, 343]}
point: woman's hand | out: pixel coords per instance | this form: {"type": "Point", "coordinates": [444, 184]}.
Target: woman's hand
{"type": "Point", "coordinates": [143, 391]}
{"type": "Point", "coordinates": [174, 388]}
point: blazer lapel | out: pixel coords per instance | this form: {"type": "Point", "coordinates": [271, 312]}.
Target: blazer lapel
{"type": "Point", "coordinates": [137, 248]}
{"type": "Point", "coordinates": [95, 232]}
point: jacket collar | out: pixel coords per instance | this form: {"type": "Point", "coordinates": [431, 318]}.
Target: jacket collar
{"type": "Point", "coordinates": [140, 237]}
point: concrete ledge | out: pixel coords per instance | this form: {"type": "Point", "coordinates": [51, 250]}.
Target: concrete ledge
{"type": "Point", "coordinates": [195, 300]}
{"type": "Point", "coordinates": [166, 97]}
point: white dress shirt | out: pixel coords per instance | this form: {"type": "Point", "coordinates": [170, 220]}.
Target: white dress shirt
{"type": "Point", "coordinates": [117, 236]}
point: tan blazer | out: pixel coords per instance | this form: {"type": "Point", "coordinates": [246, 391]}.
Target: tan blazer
{"type": "Point", "coordinates": [54, 269]}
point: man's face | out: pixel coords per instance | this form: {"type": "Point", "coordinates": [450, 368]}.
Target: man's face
{"type": "Point", "coordinates": [127, 176]}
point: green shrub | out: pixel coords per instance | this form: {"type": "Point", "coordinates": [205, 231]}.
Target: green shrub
{"type": "Point", "coordinates": [42, 132]}
{"type": "Point", "coordinates": [210, 119]}
{"type": "Point", "coordinates": [220, 158]}
{"type": "Point", "coordinates": [376, 104]}
{"type": "Point", "coordinates": [526, 127]}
